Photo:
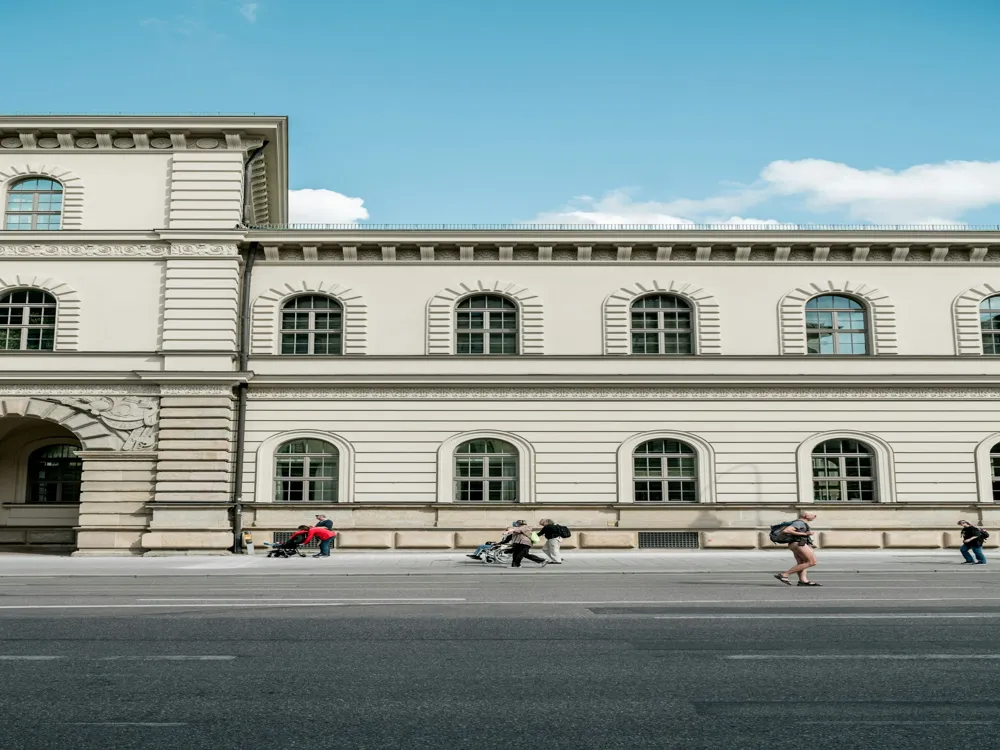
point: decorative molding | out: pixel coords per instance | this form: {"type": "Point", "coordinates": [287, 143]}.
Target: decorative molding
{"type": "Point", "coordinates": [121, 423]}
{"type": "Point", "coordinates": [525, 464]}
{"type": "Point", "coordinates": [214, 389]}
{"type": "Point", "coordinates": [72, 209]}
{"type": "Point", "coordinates": [965, 314]}
{"type": "Point", "coordinates": [879, 307]}
{"type": "Point", "coordinates": [116, 251]}
{"type": "Point", "coordinates": [885, 465]}
{"type": "Point", "coordinates": [67, 307]}
{"type": "Point", "coordinates": [43, 391]}
{"type": "Point", "coordinates": [441, 315]}
{"type": "Point", "coordinates": [624, 393]}
{"type": "Point", "coordinates": [265, 327]}
{"type": "Point", "coordinates": [704, 466]}
{"type": "Point", "coordinates": [706, 320]}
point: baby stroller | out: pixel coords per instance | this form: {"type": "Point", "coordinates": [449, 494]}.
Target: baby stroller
{"type": "Point", "coordinates": [498, 553]}
{"type": "Point", "coordinates": [287, 549]}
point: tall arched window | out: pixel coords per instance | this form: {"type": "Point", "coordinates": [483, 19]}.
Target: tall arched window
{"type": "Point", "coordinates": [486, 471]}
{"type": "Point", "coordinates": [843, 470]}
{"type": "Point", "coordinates": [34, 203]}
{"type": "Point", "coordinates": [312, 324]}
{"type": "Point", "coordinates": [836, 324]}
{"type": "Point", "coordinates": [306, 470]}
{"type": "Point", "coordinates": [27, 320]}
{"type": "Point", "coordinates": [486, 324]}
{"type": "Point", "coordinates": [54, 475]}
{"type": "Point", "coordinates": [989, 323]}
{"type": "Point", "coordinates": [665, 471]}
{"type": "Point", "coordinates": [995, 471]}
{"type": "Point", "coordinates": [661, 324]}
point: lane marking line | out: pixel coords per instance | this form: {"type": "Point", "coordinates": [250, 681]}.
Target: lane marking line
{"type": "Point", "coordinates": [126, 723]}
{"type": "Point", "coordinates": [290, 599]}
{"type": "Point", "coordinates": [924, 616]}
{"type": "Point", "coordinates": [166, 658]}
{"type": "Point", "coordinates": [15, 657]}
{"type": "Point", "coordinates": [890, 657]}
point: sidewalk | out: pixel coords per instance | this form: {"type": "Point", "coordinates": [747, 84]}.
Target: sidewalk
{"type": "Point", "coordinates": [456, 563]}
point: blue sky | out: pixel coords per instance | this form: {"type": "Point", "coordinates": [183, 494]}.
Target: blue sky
{"type": "Point", "coordinates": [425, 111]}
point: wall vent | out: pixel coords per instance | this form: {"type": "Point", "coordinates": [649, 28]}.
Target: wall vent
{"type": "Point", "coordinates": [668, 540]}
{"type": "Point", "coordinates": [280, 537]}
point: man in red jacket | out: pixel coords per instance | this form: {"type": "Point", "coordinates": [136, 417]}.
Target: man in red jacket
{"type": "Point", "coordinates": [325, 537]}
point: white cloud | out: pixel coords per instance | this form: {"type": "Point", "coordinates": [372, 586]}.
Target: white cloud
{"type": "Point", "coordinates": [249, 11]}
{"type": "Point", "coordinates": [923, 194]}
{"type": "Point", "coordinates": [309, 206]}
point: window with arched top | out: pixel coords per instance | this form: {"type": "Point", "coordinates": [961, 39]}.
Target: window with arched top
{"type": "Point", "coordinates": [662, 324]}
{"type": "Point", "coordinates": [989, 324]}
{"type": "Point", "coordinates": [312, 324]}
{"type": "Point", "coordinates": [665, 470]}
{"type": "Point", "coordinates": [54, 475]}
{"type": "Point", "coordinates": [486, 470]}
{"type": "Point", "coordinates": [843, 471]}
{"type": "Point", "coordinates": [836, 324]}
{"type": "Point", "coordinates": [27, 320]}
{"type": "Point", "coordinates": [486, 324]}
{"type": "Point", "coordinates": [995, 471]}
{"type": "Point", "coordinates": [306, 471]}
{"type": "Point", "coordinates": [34, 203]}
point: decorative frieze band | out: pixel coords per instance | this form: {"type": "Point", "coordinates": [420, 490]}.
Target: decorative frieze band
{"type": "Point", "coordinates": [624, 393]}
{"type": "Point", "coordinates": [118, 251]}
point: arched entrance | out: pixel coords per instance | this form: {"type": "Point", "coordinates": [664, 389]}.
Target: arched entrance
{"type": "Point", "coordinates": [40, 479]}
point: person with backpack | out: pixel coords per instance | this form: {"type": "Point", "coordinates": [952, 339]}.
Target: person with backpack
{"type": "Point", "coordinates": [798, 537]}
{"type": "Point", "coordinates": [972, 541]}
{"type": "Point", "coordinates": [553, 534]}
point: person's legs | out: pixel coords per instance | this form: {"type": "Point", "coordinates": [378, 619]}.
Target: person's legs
{"type": "Point", "coordinates": [324, 547]}
{"type": "Point", "coordinates": [555, 554]}
{"type": "Point", "coordinates": [805, 559]}
{"type": "Point", "coordinates": [964, 549]}
{"type": "Point", "coordinates": [518, 551]}
{"type": "Point", "coordinates": [980, 556]}
{"type": "Point", "coordinates": [479, 551]}
{"type": "Point", "coordinates": [534, 558]}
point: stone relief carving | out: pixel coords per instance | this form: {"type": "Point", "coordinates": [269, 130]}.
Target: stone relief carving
{"type": "Point", "coordinates": [133, 418]}
{"type": "Point", "coordinates": [115, 251]}
{"type": "Point", "coordinates": [626, 393]}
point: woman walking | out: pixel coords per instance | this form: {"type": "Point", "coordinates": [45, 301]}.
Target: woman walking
{"type": "Point", "coordinates": [521, 544]}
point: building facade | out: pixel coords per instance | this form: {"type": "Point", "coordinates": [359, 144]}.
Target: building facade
{"type": "Point", "coordinates": [176, 363]}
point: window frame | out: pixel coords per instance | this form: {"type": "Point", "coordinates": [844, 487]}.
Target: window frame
{"type": "Point", "coordinates": [843, 478]}
{"type": "Point", "coordinates": [311, 331]}
{"type": "Point", "coordinates": [991, 334]}
{"type": "Point", "coordinates": [661, 331]}
{"type": "Point", "coordinates": [25, 326]}
{"type": "Point", "coordinates": [687, 483]}
{"type": "Point", "coordinates": [487, 332]}
{"type": "Point", "coordinates": [305, 479]}
{"type": "Point", "coordinates": [60, 482]}
{"type": "Point", "coordinates": [835, 330]}
{"type": "Point", "coordinates": [484, 478]}
{"type": "Point", "coordinates": [35, 212]}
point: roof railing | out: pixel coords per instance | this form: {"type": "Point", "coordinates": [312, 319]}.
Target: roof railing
{"type": "Point", "coordinates": [634, 227]}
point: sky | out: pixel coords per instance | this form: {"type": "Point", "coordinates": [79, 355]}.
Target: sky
{"type": "Point", "coordinates": [582, 112]}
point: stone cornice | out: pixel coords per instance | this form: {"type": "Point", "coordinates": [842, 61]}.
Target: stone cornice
{"type": "Point", "coordinates": [625, 393]}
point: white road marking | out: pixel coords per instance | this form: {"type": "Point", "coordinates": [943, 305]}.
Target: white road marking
{"type": "Point", "coordinates": [167, 658]}
{"type": "Point", "coordinates": [14, 657]}
{"type": "Point", "coordinates": [127, 724]}
{"type": "Point", "coordinates": [924, 616]}
{"type": "Point", "coordinates": [890, 657]}
{"type": "Point", "coordinates": [246, 600]}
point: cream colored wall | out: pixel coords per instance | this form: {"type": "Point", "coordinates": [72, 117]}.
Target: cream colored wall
{"type": "Point", "coordinates": [396, 297]}
{"type": "Point", "coordinates": [122, 190]}
{"type": "Point", "coordinates": [575, 440]}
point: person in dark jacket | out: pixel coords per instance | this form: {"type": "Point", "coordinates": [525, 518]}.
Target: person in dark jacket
{"type": "Point", "coordinates": [325, 522]}
{"type": "Point", "coordinates": [972, 541]}
{"type": "Point", "coordinates": [553, 540]}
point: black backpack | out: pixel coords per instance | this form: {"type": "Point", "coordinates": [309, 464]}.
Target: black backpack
{"type": "Point", "coordinates": [563, 532]}
{"type": "Point", "coordinates": [984, 534]}
{"type": "Point", "coordinates": [776, 536]}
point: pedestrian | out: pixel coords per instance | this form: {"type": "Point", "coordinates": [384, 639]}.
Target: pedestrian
{"type": "Point", "coordinates": [972, 541]}
{"type": "Point", "coordinates": [521, 544]}
{"type": "Point", "coordinates": [553, 535]}
{"type": "Point", "coordinates": [325, 522]}
{"type": "Point", "coordinates": [799, 539]}
{"type": "Point", "coordinates": [325, 537]}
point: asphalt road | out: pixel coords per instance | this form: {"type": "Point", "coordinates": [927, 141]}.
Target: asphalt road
{"type": "Point", "coordinates": [650, 661]}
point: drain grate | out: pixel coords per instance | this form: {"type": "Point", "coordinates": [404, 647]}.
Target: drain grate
{"type": "Point", "coordinates": [280, 537]}
{"type": "Point", "coordinates": [668, 540]}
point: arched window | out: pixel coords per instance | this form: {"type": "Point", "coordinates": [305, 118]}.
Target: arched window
{"type": "Point", "coordinates": [661, 324]}
{"type": "Point", "coordinates": [312, 324]}
{"type": "Point", "coordinates": [27, 320]}
{"type": "Point", "coordinates": [486, 471]}
{"type": "Point", "coordinates": [665, 471]}
{"type": "Point", "coordinates": [54, 474]}
{"type": "Point", "coordinates": [486, 324]}
{"type": "Point", "coordinates": [34, 203]}
{"type": "Point", "coordinates": [306, 470]}
{"type": "Point", "coordinates": [843, 470]}
{"type": "Point", "coordinates": [989, 323]}
{"type": "Point", "coordinates": [836, 325]}
{"type": "Point", "coordinates": [995, 471]}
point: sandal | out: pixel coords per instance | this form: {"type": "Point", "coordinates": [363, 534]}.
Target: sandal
{"type": "Point", "coordinates": [809, 583]}
{"type": "Point", "coordinates": [783, 578]}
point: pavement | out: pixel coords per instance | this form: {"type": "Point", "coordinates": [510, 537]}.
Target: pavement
{"type": "Point", "coordinates": [697, 650]}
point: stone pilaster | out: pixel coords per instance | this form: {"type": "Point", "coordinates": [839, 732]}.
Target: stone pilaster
{"type": "Point", "coordinates": [114, 497]}
{"type": "Point", "coordinates": [200, 306]}
{"type": "Point", "coordinates": [192, 493]}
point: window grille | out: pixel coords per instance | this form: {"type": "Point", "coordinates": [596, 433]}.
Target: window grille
{"type": "Point", "coordinates": [280, 537]}
{"type": "Point", "coordinates": [668, 540]}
